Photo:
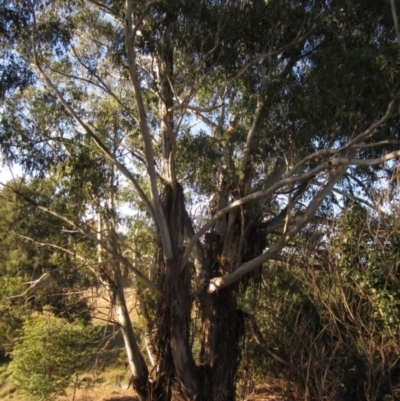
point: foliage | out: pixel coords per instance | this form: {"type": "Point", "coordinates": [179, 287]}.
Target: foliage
{"type": "Point", "coordinates": [32, 274]}
{"type": "Point", "coordinates": [11, 320]}
{"type": "Point", "coordinates": [333, 314]}
{"type": "Point", "coordinates": [50, 350]}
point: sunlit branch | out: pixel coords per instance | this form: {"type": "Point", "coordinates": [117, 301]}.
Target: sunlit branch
{"type": "Point", "coordinates": [221, 282]}
{"type": "Point", "coordinates": [323, 153]}
{"type": "Point", "coordinates": [205, 120]}
{"type": "Point", "coordinates": [160, 218]}
{"type": "Point", "coordinates": [250, 198]}
{"type": "Point", "coordinates": [282, 183]}
{"type": "Point", "coordinates": [32, 285]}
{"type": "Point", "coordinates": [368, 162]}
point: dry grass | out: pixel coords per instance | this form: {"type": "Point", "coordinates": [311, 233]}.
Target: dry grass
{"type": "Point", "coordinates": [108, 380]}
{"type": "Point", "coordinates": [100, 393]}
{"type": "Point", "coordinates": [7, 392]}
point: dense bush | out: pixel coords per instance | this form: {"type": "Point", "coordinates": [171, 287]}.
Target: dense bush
{"type": "Point", "coordinates": [331, 312]}
{"type": "Point", "coordinates": [48, 353]}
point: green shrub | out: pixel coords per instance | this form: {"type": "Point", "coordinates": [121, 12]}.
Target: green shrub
{"type": "Point", "coordinates": [49, 352]}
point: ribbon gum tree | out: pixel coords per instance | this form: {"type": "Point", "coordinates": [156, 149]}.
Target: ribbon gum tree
{"type": "Point", "coordinates": [296, 102]}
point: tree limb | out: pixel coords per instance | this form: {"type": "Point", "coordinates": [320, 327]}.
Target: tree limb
{"type": "Point", "coordinates": [395, 21]}
{"type": "Point", "coordinates": [220, 282]}
{"type": "Point", "coordinates": [97, 141]}
{"type": "Point", "coordinates": [87, 234]}
{"type": "Point", "coordinates": [160, 217]}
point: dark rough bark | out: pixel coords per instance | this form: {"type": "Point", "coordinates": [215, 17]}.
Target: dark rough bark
{"type": "Point", "coordinates": [222, 322]}
{"type": "Point", "coordinates": [213, 379]}
{"type": "Point", "coordinates": [176, 359]}
{"type": "Point", "coordinates": [222, 330]}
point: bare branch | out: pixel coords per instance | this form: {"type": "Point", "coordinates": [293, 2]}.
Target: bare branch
{"type": "Point", "coordinates": [60, 248]}
{"type": "Point", "coordinates": [364, 135]}
{"type": "Point", "coordinates": [205, 120]}
{"type": "Point", "coordinates": [247, 199]}
{"type": "Point", "coordinates": [87, 234]}
{"type": "Point", "coordinates": [287, 180]}
{"type": "Point", "coordinates": [160, 218]}
{"type": "Point", "coordinates": [32, 285]}
{"type": "Point", "coordinates": [395, 21]}
{"type": "Point", "coordinates": [371, 130]}
{"type": "Point", "coordinates": [97, 141]}
{"type": "Point", "coordinates": [376, 144]}
{"type": "Point", "coordinates": [220, 282]}
{"type": "Point", "coordinates": [219, 92]}
{"type": "Point", "coordinates": [367, 162]}
{"type": "Point", "coordinates": [251, 144]}
{"type": "Point", "coordinates": [354, 198]}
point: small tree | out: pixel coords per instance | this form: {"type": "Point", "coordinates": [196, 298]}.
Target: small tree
{"type": "Point", "coordinates": [51, 350]}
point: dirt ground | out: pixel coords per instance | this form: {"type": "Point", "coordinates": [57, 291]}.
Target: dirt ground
{"type": "Point", "coordinates": [111, 384]}
{"type": "Point", "coordinates": [117, 391]}
{"type": "Point", "coordinates": [260, 393]}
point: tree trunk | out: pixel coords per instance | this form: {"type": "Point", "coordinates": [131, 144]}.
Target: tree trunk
{"type": "Point", "coordinates": [136, 362]}
{"type": "Point", "coordinates": [222, 323]}
{"type": "Point", "coordinates": [173, 327]}
{"type": "Point", "coordinates": [220, 354]}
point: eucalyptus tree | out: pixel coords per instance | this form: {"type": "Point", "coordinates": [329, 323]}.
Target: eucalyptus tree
{"type": "Point", "coordinates": [294, 99]}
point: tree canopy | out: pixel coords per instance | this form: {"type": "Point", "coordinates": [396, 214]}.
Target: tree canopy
{"type": "Point", "coordinates": [226, 128]}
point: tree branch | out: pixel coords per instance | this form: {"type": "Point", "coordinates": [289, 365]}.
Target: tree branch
{"type": "Point", "coordinates": [87, 234]}
{"type": "Point", "coordinates": [160, 218]}
{"type": "Point", "coordinates": [247, 199]}
{"type": "Point", "coordinates": [395, 21]}
{"type": "Point", "coordinates": [363, 162]}
{"type": "Point", "coordinates": [32, 284]}
{"type": "Point", "coordinates": [108, 10]}
{"type": "Point", "coordinates": [143, 16]}
{"type": "Point", "coordinates": [60, 248]}
{"type": "Point", "coordinates": [220, 282]}
{"type": "Point", "coordinates": [354, 198]}
{"type": "Point", "coordinates": [97, 141]}
{"type": "Point", "coordinates": [186, 106]}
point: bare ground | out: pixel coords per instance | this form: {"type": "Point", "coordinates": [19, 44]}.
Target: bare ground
{"type": "Point", "coordinates": [111, 384]}
{"type": "Point", "coordinates": [263, 392]}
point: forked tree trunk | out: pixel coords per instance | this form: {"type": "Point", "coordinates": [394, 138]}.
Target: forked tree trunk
{"type": "Point", "coordinates": [213, 379]}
